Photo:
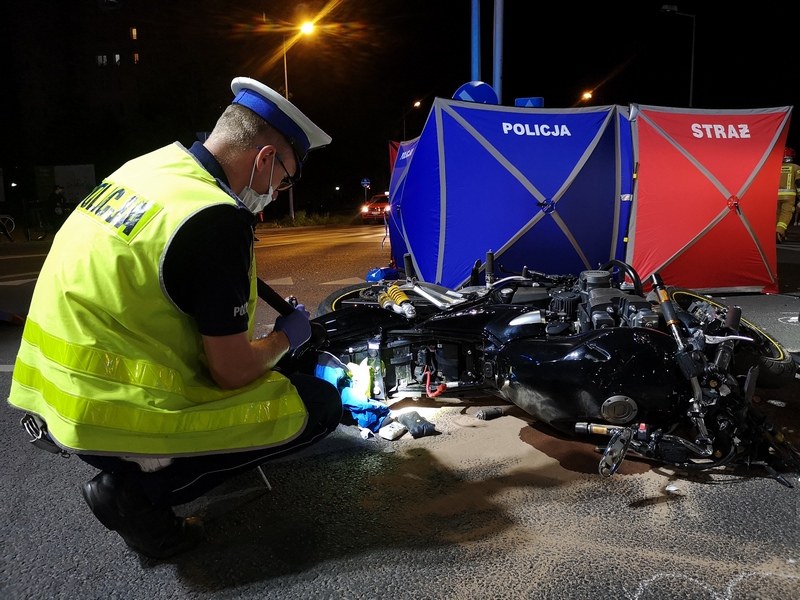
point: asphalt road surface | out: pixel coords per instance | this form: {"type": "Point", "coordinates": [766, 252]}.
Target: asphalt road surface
{"type": "Point", "coordinates": [486, 509]}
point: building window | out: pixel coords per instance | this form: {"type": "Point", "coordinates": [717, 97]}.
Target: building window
{"type": "Point", "coordinates": [134, 33]}
{"type": "Point", "coordinates": [136, 58]}
{"type": "Point", "coordinates": [117, 60]}
{"type": "Point", "coordinates": [102, 60]}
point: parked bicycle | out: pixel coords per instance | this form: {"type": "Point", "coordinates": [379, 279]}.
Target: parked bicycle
{"type": "Point", "coordinates": [7, 225]}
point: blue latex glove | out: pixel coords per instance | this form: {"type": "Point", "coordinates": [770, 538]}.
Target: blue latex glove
{"type": "Point", "coordinates": [367, 413]}
{"type": "Point", "coordinates": [296, 326]}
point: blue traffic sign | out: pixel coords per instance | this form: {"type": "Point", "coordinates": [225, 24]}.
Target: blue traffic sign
{"type": "Point", "coordinates": [365, 182]}
{"type": "Point", "coordinates": [477, 91]}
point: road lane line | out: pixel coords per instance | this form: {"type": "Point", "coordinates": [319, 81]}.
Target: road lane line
{"type": "Point", "coordinates": [16, 256]}
{"type": "Point", "coordinates": [348, 281]}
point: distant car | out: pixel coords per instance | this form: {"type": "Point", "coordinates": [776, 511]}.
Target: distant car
{"type": "Point", "coordinates": [375, 208]}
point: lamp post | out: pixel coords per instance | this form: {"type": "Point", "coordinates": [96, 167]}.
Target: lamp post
{"type": "Point", "coordinates": [673, 9]}
{"type": "Point", "coordinates": [305, 29]}
{"type": "Point", "coordinates": [285, 71]}
{"type": "Point", "coordinates": [417, 104]}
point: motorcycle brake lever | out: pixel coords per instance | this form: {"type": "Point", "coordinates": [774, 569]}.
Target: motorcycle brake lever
{"type": "Point", "coordinates": [718, 339]}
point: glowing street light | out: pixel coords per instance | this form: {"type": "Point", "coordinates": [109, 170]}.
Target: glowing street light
{"type": "Point", "coordinates": [305, 29]}
{"type": "Point", "coordinates": [417, 104]}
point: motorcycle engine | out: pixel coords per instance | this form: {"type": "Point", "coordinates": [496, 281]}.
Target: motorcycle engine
{"type": "Point", "coordinates": [595, 304]}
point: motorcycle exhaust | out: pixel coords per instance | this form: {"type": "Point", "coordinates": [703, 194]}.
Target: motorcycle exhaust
{"type": "Point", "coordinates": [596, 429]}
{"type": "Point", "coordinates": [642, 432]}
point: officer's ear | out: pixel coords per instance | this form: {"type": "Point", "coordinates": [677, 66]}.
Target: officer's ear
{"type": "Point", "coordinates": [265, 154]}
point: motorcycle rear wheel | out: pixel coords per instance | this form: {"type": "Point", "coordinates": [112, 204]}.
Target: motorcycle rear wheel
{"type": "Point", "coordinates": [776, 366]}
{"type": "Point", "coordinates": [334, 301]}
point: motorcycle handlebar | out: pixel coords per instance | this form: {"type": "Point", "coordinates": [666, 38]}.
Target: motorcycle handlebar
{"type": "Point", "coordinates": [285, 308]}
{"type": "Point", "coordinates": [733, 318]}
{"type": "Point", "coordinates": [489, 268]}
{"type": "Point", "coordinates": [273, 298]}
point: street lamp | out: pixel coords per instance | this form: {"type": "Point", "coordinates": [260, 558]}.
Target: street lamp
{"type": "Point", "coordinates": [305, 29]}
{"type": "Point", "coordinates": [416, 104]}
{"type": "Point", "coordinates": [673, 9]}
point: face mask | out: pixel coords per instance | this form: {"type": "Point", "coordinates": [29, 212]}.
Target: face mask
{"type": "Point", "coordinates": [254, 201]}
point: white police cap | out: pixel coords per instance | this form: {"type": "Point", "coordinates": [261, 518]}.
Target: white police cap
{"type": "Point", "coordinates": [303, 135]}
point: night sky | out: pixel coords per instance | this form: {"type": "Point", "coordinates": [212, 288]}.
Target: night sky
{"type": "Point", "coordinates": [369, 60]}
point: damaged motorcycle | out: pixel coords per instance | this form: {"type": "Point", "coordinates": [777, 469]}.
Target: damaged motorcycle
{"type": "Point", "coordinates": [666, 374]}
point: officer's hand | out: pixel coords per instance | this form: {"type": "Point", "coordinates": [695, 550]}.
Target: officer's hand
{"type": "Point", "coordinates": [296, 326]}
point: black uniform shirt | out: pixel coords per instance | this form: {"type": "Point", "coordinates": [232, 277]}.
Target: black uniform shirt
{"type": "Point", "coordinates": [207, 263]}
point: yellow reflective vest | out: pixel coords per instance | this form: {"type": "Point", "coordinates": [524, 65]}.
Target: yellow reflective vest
{"type": "Point", "coordinates": [107, 359]}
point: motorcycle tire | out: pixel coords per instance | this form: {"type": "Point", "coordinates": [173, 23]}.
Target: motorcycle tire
{"type": "Point", "coordinates": [776, 366]}
{"type": "Point", "coordinates": [333, 301]}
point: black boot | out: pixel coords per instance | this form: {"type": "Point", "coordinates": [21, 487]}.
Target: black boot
{"type": "Point", "coordinates": [154, 531]}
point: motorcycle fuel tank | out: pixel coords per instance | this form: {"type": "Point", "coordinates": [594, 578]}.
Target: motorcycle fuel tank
{"type": "Point", "coordinates": [618, 376]}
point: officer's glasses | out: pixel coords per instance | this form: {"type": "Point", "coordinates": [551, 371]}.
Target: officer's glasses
{"type": "Point", "coordinates": [288, 181]}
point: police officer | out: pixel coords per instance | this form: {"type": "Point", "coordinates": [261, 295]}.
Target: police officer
{"type": "Point", "coordinates": [787, 193]}
{"type": "Point", "coordinates": [138, 352]}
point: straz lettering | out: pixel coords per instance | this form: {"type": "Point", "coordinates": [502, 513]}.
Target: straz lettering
{"type": "Point", "coordinates": [536, 129]}
{"type": "Point", "coordinates": [118, 207]}
{"type": "Point", "coordinates": [406, 154]}
{"type": "Point", "coordinates": [721, 132]}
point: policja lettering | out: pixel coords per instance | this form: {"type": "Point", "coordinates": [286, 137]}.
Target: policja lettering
{"type": "Point", "coordinates": [119, 208]}
{"type": "Point", "coordinates": [536, 129]}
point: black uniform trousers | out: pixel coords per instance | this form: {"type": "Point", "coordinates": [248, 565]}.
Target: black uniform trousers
{"type": "Point", "coordinates": [188, 478]}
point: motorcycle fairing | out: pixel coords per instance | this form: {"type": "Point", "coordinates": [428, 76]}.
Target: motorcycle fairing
{"type": "Point", "coordinates": [562, 382]}
{"type": "Point", "coordinates": [354, 322]}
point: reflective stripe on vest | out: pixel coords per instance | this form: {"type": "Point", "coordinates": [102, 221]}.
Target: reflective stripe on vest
{"type": "Point", "coordinates": [112, 374]}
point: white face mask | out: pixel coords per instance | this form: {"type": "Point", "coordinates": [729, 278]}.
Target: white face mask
{"type": "Point", "coordinates": [253, 200]}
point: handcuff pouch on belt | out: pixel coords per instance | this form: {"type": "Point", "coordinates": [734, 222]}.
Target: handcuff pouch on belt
{"type": "Point", "coordinates": [37, 429]}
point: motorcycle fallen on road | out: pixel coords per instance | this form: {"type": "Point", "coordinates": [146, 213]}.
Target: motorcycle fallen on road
{"type": "Point", "coordinates": [665, 374]}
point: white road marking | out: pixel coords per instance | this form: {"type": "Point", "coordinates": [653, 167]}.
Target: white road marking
{"type": "Point", "coordinates": [19, 281]}
{"type": "Point", "coordinates": [348, 281]}
{"type": "Point", "coordinates": [281, 281]}
{"type": "Point", "coordinates": [16, 256]}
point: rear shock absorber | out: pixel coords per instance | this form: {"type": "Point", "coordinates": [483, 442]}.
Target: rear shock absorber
{"type": "Point", "coordinates": [397, 300]}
